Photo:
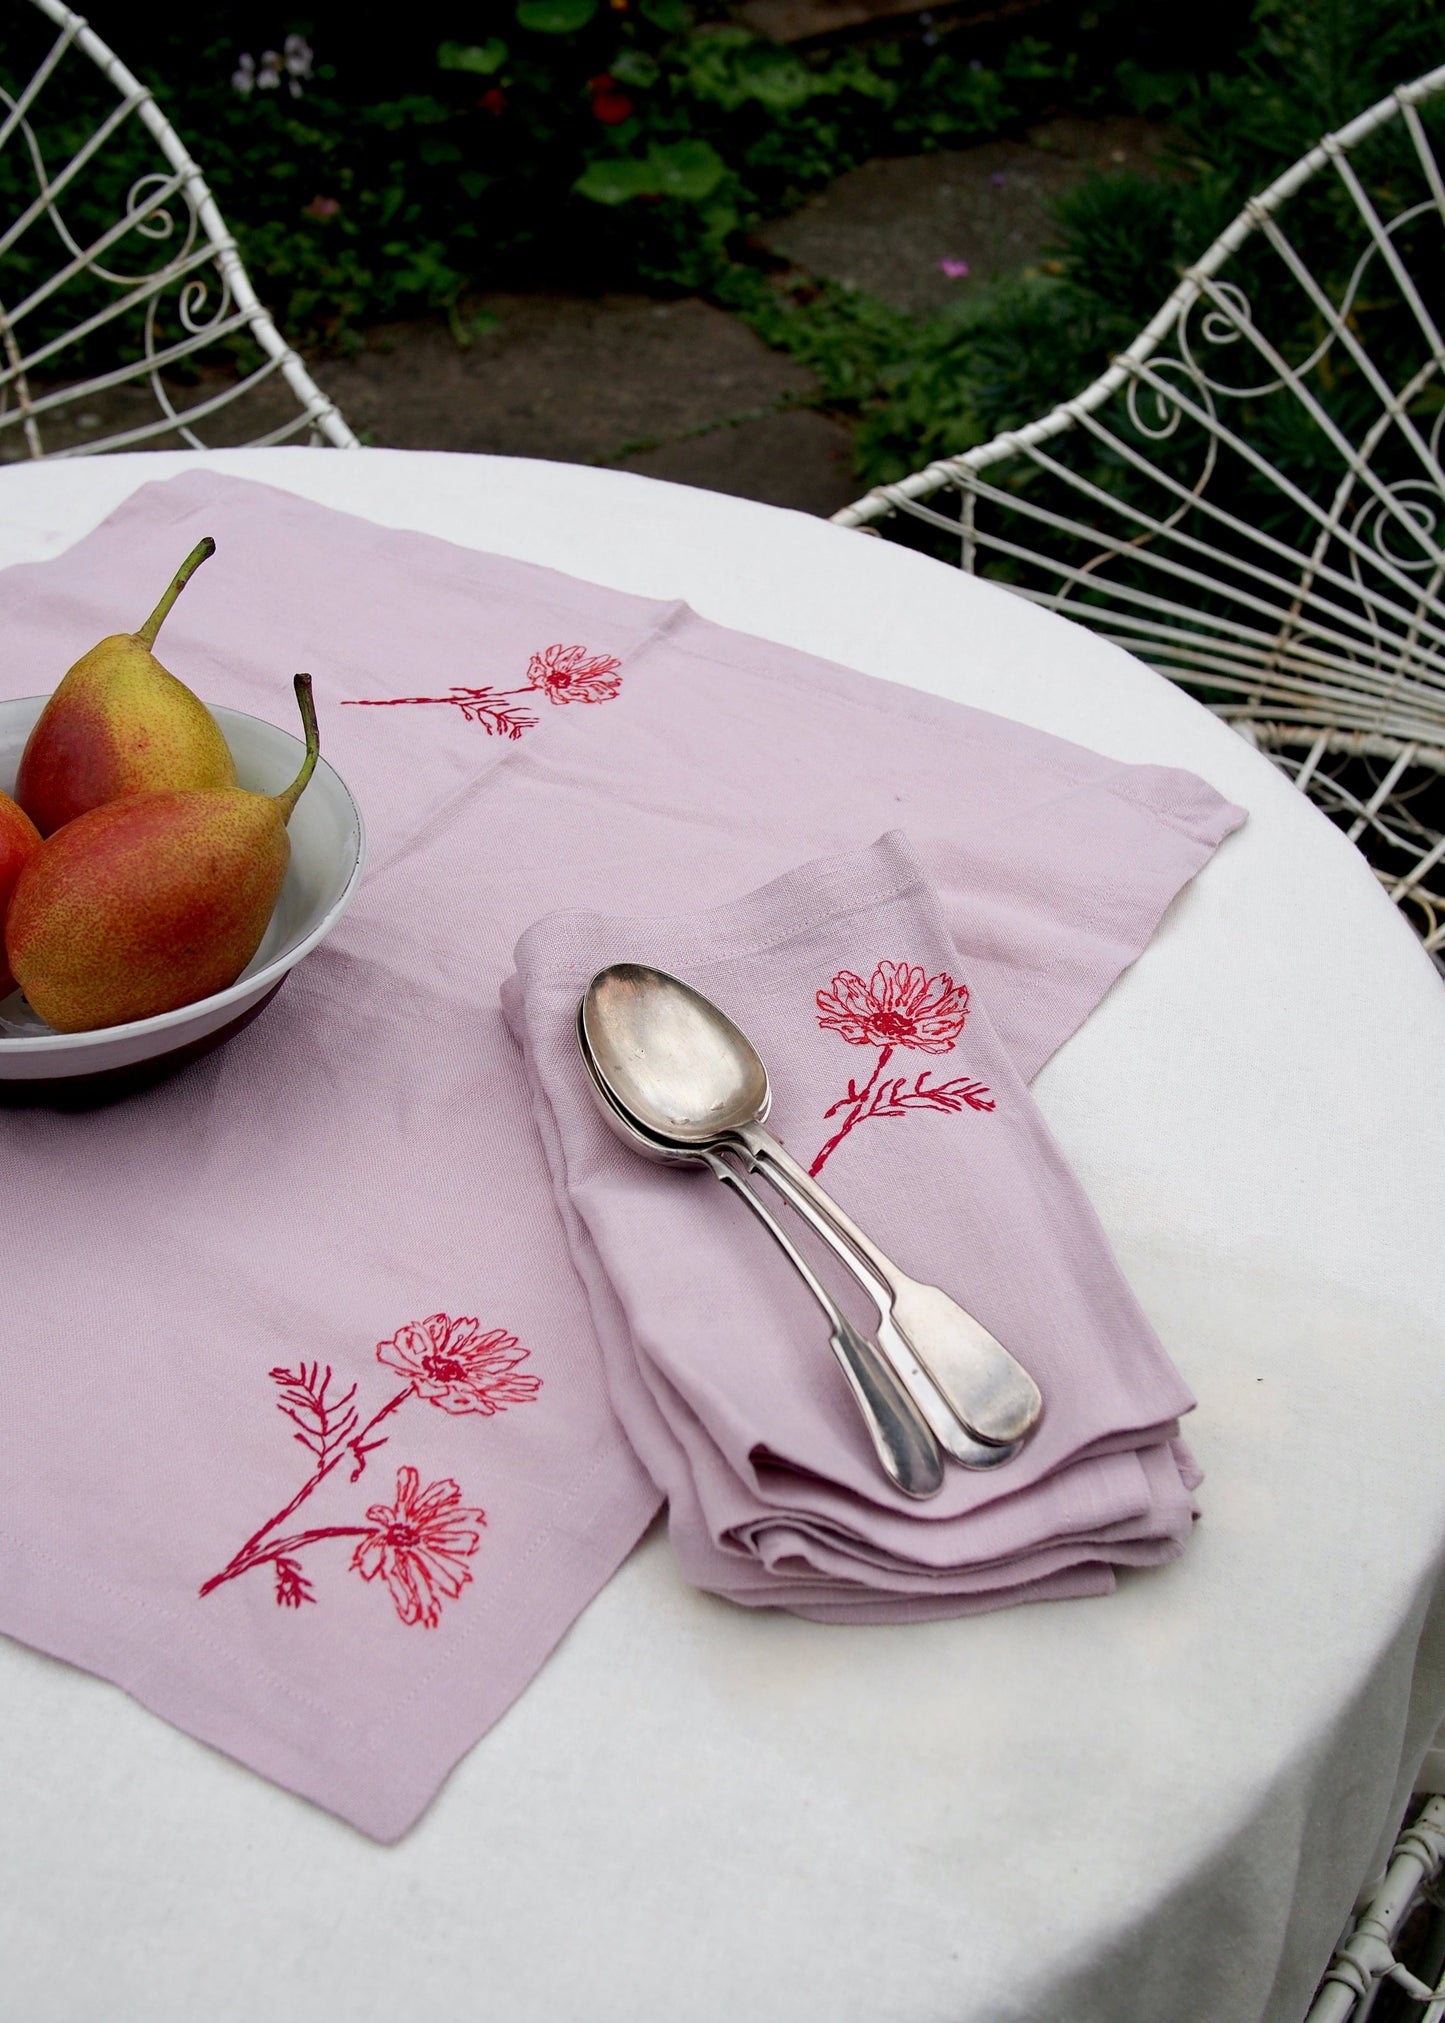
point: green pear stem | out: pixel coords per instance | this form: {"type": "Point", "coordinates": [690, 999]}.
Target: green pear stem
{"type": "Point", "coordinates": [147, 633]}
{"type": "Point", "coordinates": [287, 801]}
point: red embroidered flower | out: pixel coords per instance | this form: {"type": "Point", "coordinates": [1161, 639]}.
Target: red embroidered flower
{"type": "Point", "coordinates": [571, 674]}
{"type": "Point", "coordinates": [899, 1006]}
{"type": "Point", "coordinates": [451, 1363]}
{"type": "Point", "coordinates": [419, 1546]}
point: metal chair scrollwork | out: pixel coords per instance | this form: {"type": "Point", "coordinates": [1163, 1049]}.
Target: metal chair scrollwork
{"type": "Point", "coordinates": [127, 319]}
{"type": "Point", "coordinates": [1251, 498]}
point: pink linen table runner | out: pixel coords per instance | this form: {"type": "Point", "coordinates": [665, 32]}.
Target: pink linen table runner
{"type": "Point", "coordinates": [306, 1436]}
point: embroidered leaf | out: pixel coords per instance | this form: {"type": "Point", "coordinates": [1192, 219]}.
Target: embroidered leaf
{"type": "Point", "coordinates": [292, 1586]}
{"type": "Point", "coordinates": [322, 1422]}
{"type": "Point", "coordinates": [485, 707]}
{"type": "Point", "coordinates": [893, 1099]}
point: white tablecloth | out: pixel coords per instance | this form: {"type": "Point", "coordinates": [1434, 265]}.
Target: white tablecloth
{"type": "Point", "coordinates": [703, 1814]}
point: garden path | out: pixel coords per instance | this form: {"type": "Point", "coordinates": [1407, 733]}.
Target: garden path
{"type": "Point", "coordinates": [682, 390]}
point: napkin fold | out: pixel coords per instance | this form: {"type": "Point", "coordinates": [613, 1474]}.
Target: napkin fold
{"type": "Point", "coordinates": [892, 1084]}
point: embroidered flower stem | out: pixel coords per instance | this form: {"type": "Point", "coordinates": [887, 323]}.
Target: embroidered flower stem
{"type": "Point", "coordinates": [460, 698]}
{"type": "Point", "coordinates": [358, 1446]}
{"type": "Point", "coordinates": [858, 1102]}
{"type": "Point", "coordinates": [280, 1548]}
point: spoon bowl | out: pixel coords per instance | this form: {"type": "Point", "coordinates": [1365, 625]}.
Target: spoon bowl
{"type": "Point", "coordinates": [676, 1064]}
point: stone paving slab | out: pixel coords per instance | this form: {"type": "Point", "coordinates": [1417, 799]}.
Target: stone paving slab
{"type": "Point", "coordinates": [796, 458]}
{"type": "Point", "coordinates": [576, 378]}
{"type": "Point", "coordinates": [886, 226]}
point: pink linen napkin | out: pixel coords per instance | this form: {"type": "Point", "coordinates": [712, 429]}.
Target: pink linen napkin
{"type": "Point", "coordinates": [892, 1085]}
{"type": "Point", "coordinates": [306, 1436]}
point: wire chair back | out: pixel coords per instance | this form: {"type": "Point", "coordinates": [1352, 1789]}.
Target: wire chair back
{"type": "Point", "coordinates": [1251, 498]}
{"type": "Point", "coordinates": [127, 319]}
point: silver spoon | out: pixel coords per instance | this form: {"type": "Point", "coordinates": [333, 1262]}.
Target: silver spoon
{"type": "Point", "coordinates": [946, 1429]}
{"type": "Point", "coordinates": [679, 1068]}
{"type": "Point", "coordinates": [901, 1440]}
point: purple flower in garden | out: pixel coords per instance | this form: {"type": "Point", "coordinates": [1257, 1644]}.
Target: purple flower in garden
{"type": "Point", "coordinates": [269, 75]}
{"type": "Point", "coordinates": [956, 270]}
{"type": "Point", "coordinates": [998, 178]}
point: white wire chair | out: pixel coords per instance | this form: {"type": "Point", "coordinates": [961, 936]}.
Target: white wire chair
{"type": "Point", "coordinates": [1252, 503]}
{"type": "Point", "coordinates": [1365, 1962]}
{"type": "Point", "coordinates": [99, 264]}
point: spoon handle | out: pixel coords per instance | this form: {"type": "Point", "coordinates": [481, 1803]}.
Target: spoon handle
{"type": "Point", "coordinates": [945, 1425]}
{"type": "Point", "coordinates": [987, 1389]}
{"type": "Point", "coordinates": [901, 1440]}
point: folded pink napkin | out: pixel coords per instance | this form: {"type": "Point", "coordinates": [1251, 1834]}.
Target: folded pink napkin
{"type": "Point", "coordinates": [892, 1085]}
{"type": "Point", "coordinates": [306, 1436]}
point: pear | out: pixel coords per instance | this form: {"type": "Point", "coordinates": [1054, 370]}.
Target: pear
{"type": "Point", "coordinates": [119, 723]}
{"type": "Point", "coordinates": [19, 840]}
{"type": "Point", "coordinates": [151, 901]}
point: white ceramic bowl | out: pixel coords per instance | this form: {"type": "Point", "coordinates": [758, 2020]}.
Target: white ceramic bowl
{"type": "Point", "coordinates": [327, 848]}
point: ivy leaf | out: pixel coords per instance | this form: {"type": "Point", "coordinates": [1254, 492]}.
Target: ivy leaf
{"type": "Point", "coordinates": [775, 79]}
{"type": "Point", "coordinates": [616, 181]}
{"type": "Point", "coordinates": [555, 17]}
{"type": "Point", "coordinates": [634, 66]}
{"type": "Point", "coordinates": [690, 169]}
{"type": "Point", "coordinates": [668, 15]}
{"type": "Point", "coordinates": [483, 58]}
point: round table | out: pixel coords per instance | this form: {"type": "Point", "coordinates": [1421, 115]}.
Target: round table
{"type": "Point", "coordinates": [702, 1813]}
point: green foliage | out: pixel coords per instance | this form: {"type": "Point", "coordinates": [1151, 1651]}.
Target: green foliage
{"type": "Point", "coordinates": [688, 169]}
{"type": "Point", "coordinates": [482, 59]}
{"type": "Point", "coordinates": [555, 17]}
{"type": "Point", "coordinates": [580, 143]}
{"type": "Point", "coordinates": [565, 141]}
{"type": "Point", "coordinates": [926, 389]}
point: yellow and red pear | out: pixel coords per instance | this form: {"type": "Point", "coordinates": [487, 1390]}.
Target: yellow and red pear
{"type": "Point", "coordinates": [152, 901]}
{"type": "Point", "coordinates": [120, 723]}
{"type": "Point", "coordinates": [19, 840]}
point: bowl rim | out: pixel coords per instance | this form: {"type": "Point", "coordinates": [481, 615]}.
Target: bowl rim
{"type": "Point", "coordinates": [246, 985]}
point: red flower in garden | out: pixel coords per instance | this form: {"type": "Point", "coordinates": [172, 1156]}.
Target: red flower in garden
{"type": "Point", "coordinates": [452, 1364]}
{"type": "Point", "coordinates": [609, 104]}
{"type": "Point", "coordinates": [899, 1006]}
{"type": "Point", "coordinates": [571, 674]}
{"type": "Point", "coordinates": [493, 101]}
{"type": "Point", "coordinates": [419, 1546]}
